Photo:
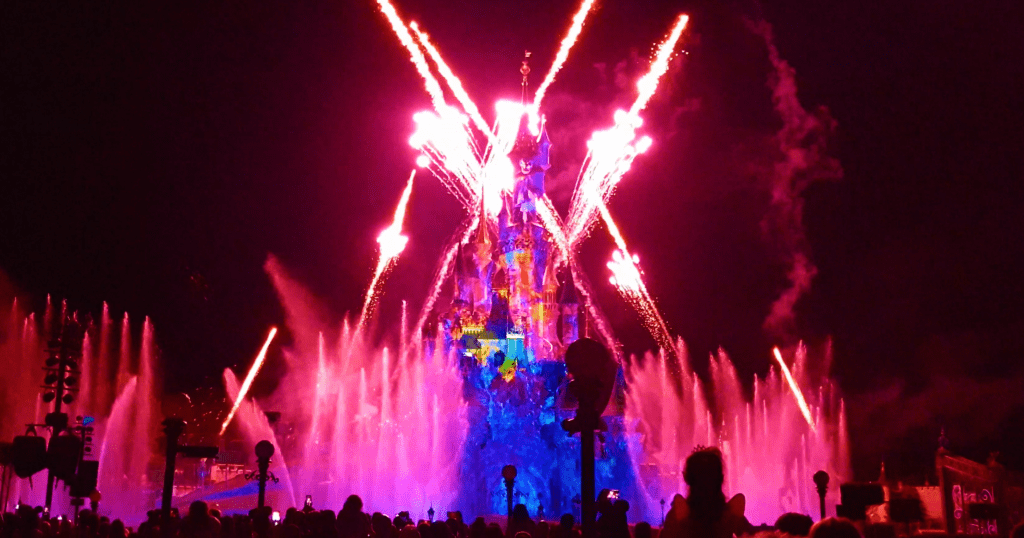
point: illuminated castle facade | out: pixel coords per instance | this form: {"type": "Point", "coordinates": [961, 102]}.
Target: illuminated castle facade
{"type": "Point", "coordinates": [510, 321]}
{"type": "Point", "coordinates": [508, 301]}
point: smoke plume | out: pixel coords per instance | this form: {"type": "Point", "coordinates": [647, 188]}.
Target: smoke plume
{"type": "Point", "coordinates": [802, 159]}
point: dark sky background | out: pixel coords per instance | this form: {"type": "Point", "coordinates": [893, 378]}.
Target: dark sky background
{"type": "Point", "coordinates": [153, 155]}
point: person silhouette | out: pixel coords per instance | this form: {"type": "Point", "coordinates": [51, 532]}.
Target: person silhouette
{"type": "Point", "coordinates": [704, 512]}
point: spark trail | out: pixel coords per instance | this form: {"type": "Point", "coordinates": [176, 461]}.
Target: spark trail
{"type": "Point", "coordinates": [804, 409]}
{"type": "Point", "coordinates": [563, 51]}
{"type": "Point", "coordinates": [255, 369]}
{"type": "Point", "coordinates": [628, 280]}
{"type": "Point", "coordinates": [453, 81]}
{"type": "Point", "coordinates": [415, 54]}
{"type": "Point", "coordinates": [649, 83]}
{"type": "Point", "coordinates": [392, 243]}
{"type": "Point", "coordinates": [611, 152]}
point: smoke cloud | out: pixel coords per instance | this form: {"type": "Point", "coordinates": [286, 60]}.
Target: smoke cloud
{"type": "Point", "coordinates": [802, 159]}
{"type": "Point", "coordinates": [972, 412]}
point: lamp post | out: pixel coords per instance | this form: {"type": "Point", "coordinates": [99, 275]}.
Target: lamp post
{"type": "Point", "coordinates": [508, 472]}
{"type": "Point", "coordinates": [593, 375]}
{"type": "Point", "coordinates": [821, 482]}
{"type": "Point", "coordinates": [264, 450]}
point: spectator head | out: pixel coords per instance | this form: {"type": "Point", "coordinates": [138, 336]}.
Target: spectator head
{"type": "Point", "coordinates": [834, 527]}
{"type": "Point", "coordinates": [642, 530]}
{"type": "Point", "coordinates": [440, 529]}
{"type": "Point", "coordinates": [424, 529]}
{"type": "Point", "coordinates": [409, 531]}
{"type": "Point", "coordinates": [704, 471]}
{"type": "Point", "coordinates": [117, 529]}
{"type": "Point", "coordinates": [494, 531]}
{"type": "Point", "coordinates": [520, 513]}
{"type": "Point", "coordinates": [794, 524]}
{"type": "Point", "coordinates": [567, 521]}
{"type": "Point", "coordinates": [381, 525]}
{"type": "Point", "coordinates": [352, 504]}
{"type": "Point", "coordinates": [198, 510]}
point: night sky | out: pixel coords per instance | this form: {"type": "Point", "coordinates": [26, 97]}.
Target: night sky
{"type": "Point", "coordinates": [152, 156]}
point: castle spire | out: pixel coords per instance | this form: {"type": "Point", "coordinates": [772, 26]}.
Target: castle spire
{"type": "Point", "coordinates": [525, 70]}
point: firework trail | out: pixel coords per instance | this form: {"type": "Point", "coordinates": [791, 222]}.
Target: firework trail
{"type": "Point", "coordinates": [649, 83]}
{"type": "Point", "coordinates": [444, 139]}
{"type": "Point", "coordinates": [415, 54]}
{"type": "Point", "coordinates": [563, 52]}
{"type": "Point", "coordinates": [611, 152]}
{"type": "Point", "coordinates": [453, 81]}
{"type": "Point", "coordinates": [256, 366]}
{"type": "Point", "coordinates": [392, 243]}
{"type": "Point", "coordinates": [804, 410]}
{"type": "Point", "coordinates": [628, 280]}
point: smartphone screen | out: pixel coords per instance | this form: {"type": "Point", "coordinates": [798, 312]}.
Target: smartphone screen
{"type": "Point", "coordinates": [309, 501]}
{"type": "Point", "coordinates": [276, 516]}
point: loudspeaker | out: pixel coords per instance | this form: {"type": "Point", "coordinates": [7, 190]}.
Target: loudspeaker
{"type": "Point", "coordinates": [904, 510]}
{"type": "Point", "coordinates": [85, 480]}
{"type": "Point", "coordinates": [28, 455]}
{"type": "Point", "coordinates": [6, 453]}
{"type": "Point", "coordinates": [62, 456]}
{"type": "Point", "coordinates": [853, 494]}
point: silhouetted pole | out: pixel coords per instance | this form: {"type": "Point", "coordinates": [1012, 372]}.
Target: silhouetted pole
{"type": "Point", "coordinates": [264, 450]}
{"type": "Point", "coordinates": [587, 487]}
{"type": "Point", "coordinates": [173, 428]}
{"type": "Point", "coordinates": [508, 472]}
{"type": "Point", "coordinates": [821, 481]}
{"type": "Point", "coordinates": [61, 366]}
{"type": "Point", "coordinates": [593, 375]}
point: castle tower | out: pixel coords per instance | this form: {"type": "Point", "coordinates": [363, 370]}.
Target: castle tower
{"type": "Point", "coordinates": [569, 305]}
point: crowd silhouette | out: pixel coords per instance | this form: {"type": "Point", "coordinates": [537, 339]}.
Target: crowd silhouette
{"type": "Point", "coordinates": [703, 513]}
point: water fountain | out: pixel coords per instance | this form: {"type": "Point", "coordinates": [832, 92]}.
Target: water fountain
{"type": "Point", "coordinates": [117, 389]}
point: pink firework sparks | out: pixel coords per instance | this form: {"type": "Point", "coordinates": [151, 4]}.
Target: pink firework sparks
{"type": "Point", "coordinates": [797, 393]}
{"type": "Point", "coordinates": [483, 181]}
{"type": "Point", "coordinates": [255, 369]}
{"type": "Point", "coordinates": [392, 243]}
{"type": "Point", "coordinates": [563, 50]}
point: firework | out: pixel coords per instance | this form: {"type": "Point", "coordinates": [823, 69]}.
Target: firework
{"type": "Point", "coordinates": [563, 51]}
{"type": "Point", "coordinates": [392, 243]}
{"type": "Point", "coordinates": [256, 365]}
{"type": "Point", "coordinates": [804, 409]}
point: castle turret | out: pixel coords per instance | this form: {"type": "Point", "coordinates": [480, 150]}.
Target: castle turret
{"type": "Point", "coordinates": [569, 305]}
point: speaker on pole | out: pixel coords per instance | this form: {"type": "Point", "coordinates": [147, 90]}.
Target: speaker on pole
{"type": "Point", "coordinates": [28, 453]}
{"type": "Point", "coordinates": [85, 480]}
